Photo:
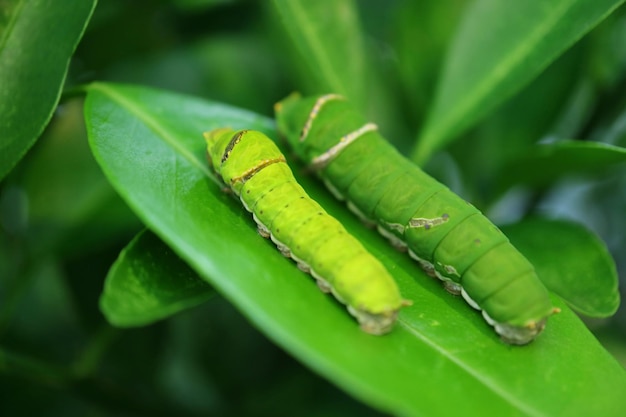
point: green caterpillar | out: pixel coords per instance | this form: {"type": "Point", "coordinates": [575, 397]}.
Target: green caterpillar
{"type": "Point", "coordinates": [449, 237]}
{"type": "Point", "coordinates": [255, 170]}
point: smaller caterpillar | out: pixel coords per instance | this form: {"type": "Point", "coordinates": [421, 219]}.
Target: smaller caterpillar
{"type": "Point", "coordinates": [255, 170]}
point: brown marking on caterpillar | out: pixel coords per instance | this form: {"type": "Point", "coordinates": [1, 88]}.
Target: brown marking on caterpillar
{"type": "Point", "coordinates": [315, 110]}
{"type": "Point", "coordinates": [323, 285]}
{"type": "Point", "coordinates": [303, 267]}
{"type": "Point", "coordinates": [261, 228]}
{"type": "Point", "coordinates": [233, 141]}
{"type": "Point", "coordinates": [428, 223]}
{"type": "Point", "coordinates": [449, 285]}
{"type": "Point", "coordinates": [370, 323]}
{"type": "Point", "coordinates": [450, 270]}
{"type": "Point", "coordinates": [322, 160]}
{"type": "Point", "coordinates": [263, 231]}
{"type": "Point", "coordinates": [452, 287]}
{"type": "Point", "coordinates": [426, 266]}
{"type": "Point", "coordinates": [254, 170]}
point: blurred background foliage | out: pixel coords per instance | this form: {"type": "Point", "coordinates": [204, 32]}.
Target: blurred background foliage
{"type": "Point", "coordinates": [63, 225]}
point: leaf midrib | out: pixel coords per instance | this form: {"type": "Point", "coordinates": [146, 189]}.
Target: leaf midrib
{"type": "Point", "coordinates": [494, 386]}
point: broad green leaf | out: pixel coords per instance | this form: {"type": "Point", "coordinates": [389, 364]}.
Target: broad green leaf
{"type": "Point", "coordinates": [499, 47]}
{"type": "Point", "coordinates": [543, 164]}
{"type": "Point", "coordinates": [37, 39]}
{"type": "Point", "coordinates": [150, 146]}
{"type": "Point", "coordinates": [149, 282]}
{"type": "Point", "coordinates": [571, 261]}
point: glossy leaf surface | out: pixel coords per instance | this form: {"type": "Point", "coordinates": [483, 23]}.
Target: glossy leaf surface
{"type": "Point", "coordinates": [149, 282]}
{"type": "Point", "coordinates": [149, 144]}
{"type": "Point", "coordinates": [31, 72]}
{"type": "Point", "coordinates": [500, 47]}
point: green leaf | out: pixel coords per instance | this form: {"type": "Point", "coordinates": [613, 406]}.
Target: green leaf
{"type": "Point", "coordinates": [500, 47]}
{"type": "Point", "coordinates": [332, 55]}
{"type": "Point", "coordinates": [571, 261]}
{"type": "Point", "coordinates": [150, 146]}
{"type": "Point", "coordinates": [327, 36]}
{"type": "Point", "coordinates": [544, 164]}
{"type": "Point", "coordinates": [516, 125]}
{"type": "Point", "coordinates": [37, 40]}
{"type": "Point", "coordinates": [149, 282]}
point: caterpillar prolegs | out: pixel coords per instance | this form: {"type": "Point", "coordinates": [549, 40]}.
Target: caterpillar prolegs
{"type": "Point", "coordinates": [255, 170]}
{"type": "Point", "coordinates": [449, 237]}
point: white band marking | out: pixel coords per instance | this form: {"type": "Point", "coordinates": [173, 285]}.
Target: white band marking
{"type": "Point", "coordinates": [314, 112]}
{"type": "Point", "coordinates": [320, 161]}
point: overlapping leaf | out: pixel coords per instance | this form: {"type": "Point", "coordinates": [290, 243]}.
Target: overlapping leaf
{"type": "Point", "coordinates": [149, 282]}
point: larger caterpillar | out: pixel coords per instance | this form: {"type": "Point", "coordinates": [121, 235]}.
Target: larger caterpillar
{"type": "Point", "coordinates": [449, 237]}
{"type": "Point", "coordinates": [255, 170]}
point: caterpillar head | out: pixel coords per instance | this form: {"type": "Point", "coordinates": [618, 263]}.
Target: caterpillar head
{"type": "Point", "coordinates": [216, 141]}
{"type": "Point", "coordinates": [237, 155]}
{"type": "Point", "coordinates": [520, 335]}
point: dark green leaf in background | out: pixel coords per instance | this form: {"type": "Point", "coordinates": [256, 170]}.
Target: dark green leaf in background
{"type": "Point", "coordinates": [519, 123]}
{"type": "Point", "coordinates": [545, 164]}
{"type": "Point", "coordinates": [421, 48]}
{"type": "Point", "coordinates": [327, 35]}
{"type": "Point", "coordinates": [500, 47]}
{"type": "Point", "coordinates": [148, 282]}
{"type": "Point", "coordinates": [31, 71]}
{"type": "Point", "coordinates": [328, 38]}
{"type": "Point", "coordinates": [149, 145]}
{"type": "Point", "coordinates": [71, 207]}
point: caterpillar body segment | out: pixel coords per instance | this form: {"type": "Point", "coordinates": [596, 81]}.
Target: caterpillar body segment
{"type": "Point", "coordinates": [449, 237]}
{"type": "Point", "coordinates": [255, 170]}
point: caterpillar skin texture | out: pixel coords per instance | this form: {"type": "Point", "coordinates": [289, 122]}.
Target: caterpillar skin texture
{"type": "Point", "coordinates": [449, 237]}
{"type": "Point", "coordinates": [255, 170]}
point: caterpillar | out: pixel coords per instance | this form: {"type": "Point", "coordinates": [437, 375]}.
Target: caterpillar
{"type": "Point", "coordinates": [254, 169]}
{"type": "Point", "coordinates": [447, 236]}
